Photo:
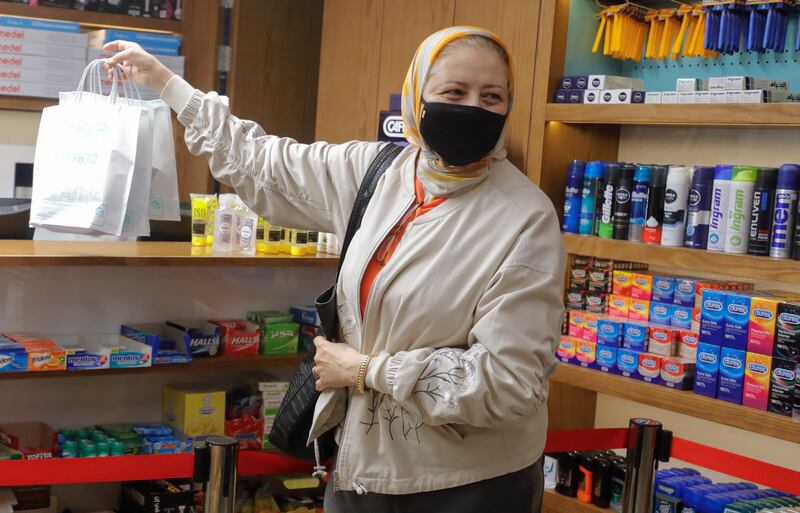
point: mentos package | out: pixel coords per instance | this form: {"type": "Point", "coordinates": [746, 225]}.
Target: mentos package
{"type": "Point", "coordinates": [586, 353]}
{"type": "Point", "coordinates": [642, 287]}
{"type": "Point", "coordinates": [566, 349]}
{"type": "Point", "coordinates": [687, 344]}
{"type": "Point", "coordinates": [737, 320]}
{"type": "Point", "coordinates": [677, 372]}
{"type": "Point", "coordinates": [650, 367]}
{"type": "Point", "coordinates": [13, 357]}
{"type": "Point", "coordinates": [606, 360]}
{"type": "Point", "coordinates": [757, 373]}
{"type": "Point", "coordinates": [635, 336]}
{"type": "Point", "coordinates": [661, 313]}
{"type": "Point", "coordinates": [664, 289]}
{"type": "Point", "coordinates": [787, 332]}
{"type": "Point", "coordinates": [639, 310]}
{"type": "Point", "coordinates": [681, 317]}
{"type": "Point", "coordinates": [628, 362]}
{"type": "Point", "coordinates": [662, 341]}
{"type": "Point", "coordinates": [782, 386]}
{"type": "Point", "coordinates": [712, 322]}
{"type": "Point", "coordinates": [623, 281]}
{"type": "Point", "coordinates": [685, 292]}
{"type": "Point", "coordinates": [618, 306]}
{"type": "Point", "coordinates": [761, 333]}
{"type": "Point", "coordinates": [707, 371]}
{"type": "Point", "coordinates": [609, 332]}
{"type": "Point", "coordinates": [731, 375]}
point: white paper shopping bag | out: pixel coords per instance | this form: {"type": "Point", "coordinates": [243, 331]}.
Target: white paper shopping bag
{"type": "Point", "coordinates": [164, 201]}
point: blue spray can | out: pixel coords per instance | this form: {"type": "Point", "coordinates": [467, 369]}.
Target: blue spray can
{"type": "Point", "coordinates": [784, 211]}
{"type": "Point", "coordinates": [572, 197]}
{"type": "Point", "coordinates": [699, 216]}
{"type": "Point", "coordinates": [639, 197]}
{"type": "Point", "coordinates": [593, 175]}
{"type": "Point", "coordinates": [719, 208]}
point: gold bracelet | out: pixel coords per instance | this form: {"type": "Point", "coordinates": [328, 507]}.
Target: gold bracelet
{"type": "Point", "coordinates": [361, 377]}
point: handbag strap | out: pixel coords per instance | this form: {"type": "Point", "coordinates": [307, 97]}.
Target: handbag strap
{"type": "Point", "coordinates": [374, 173]}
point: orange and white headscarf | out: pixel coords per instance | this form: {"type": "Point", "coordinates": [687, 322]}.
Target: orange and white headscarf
{"type": "Point", "coordinates": [438, 178]}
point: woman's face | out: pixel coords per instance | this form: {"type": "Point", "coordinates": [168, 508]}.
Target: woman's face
{"type": "Point", "coordinates": [472, 76]}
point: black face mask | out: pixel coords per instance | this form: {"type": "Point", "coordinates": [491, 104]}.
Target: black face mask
{"type": "Point", "coordinates": [460, 134]}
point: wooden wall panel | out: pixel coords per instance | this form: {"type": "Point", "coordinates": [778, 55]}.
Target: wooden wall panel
{"type": "Point", "coordinates": [570, 407]}
{"type": "Point", "coordinates": [349, 68]}
{"type": "Point", "coordinates": [516, 22]}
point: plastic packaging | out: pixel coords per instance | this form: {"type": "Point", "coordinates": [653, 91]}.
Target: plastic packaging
{"type": "Point", "coordinates": [676, 199]}
{"type": "Point", "coordinates": [719, 208]}
{"type": "Point", "coordinates": [761, 214]}
{"type": "Point", "coordinates": [641, 182]}
{"type": "Point", "coordinates": [244, 241]}
{"type": "Point", "coordinates": [223, 223]}
{"type": "Point", "coordinates": [572, 197]}
{"type": "Point", "coordinates": [785, 211]}
{"type": "Point", "coordinates": [743, 181]}
{"type": "Point", "coordinates": [299, 242]}
{"type": "Point", "coordinates": [592, 190]}
{"type": "Point", "coordinates": [201, 206]}
{"type": "Point", "coordinates": [699, 206]}
{"type": "Point", "coordinates": [655, 205]}
{"type": "Point", "coordinates": [622, 202]}
{"type": "Point", "coordinates": [261, 236]}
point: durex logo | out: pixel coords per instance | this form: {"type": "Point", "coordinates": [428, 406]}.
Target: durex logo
{"type": "Point", "coordinates": [671, 367]}
{"type": "Point", "coordinates": [605, 353]}
{"type": "Point", "coordinates": [660, 335]}
{"type": "Point", "coordinates": [690, 339]}
{"type": "Point", "coordinates": [621, 278]}
{"type": "Point", "coordinates": [694, 197]}
{"type": "Point", "coordinates": [757, 368]}
{"type": "Point", "coordinates": [737, 309]}
{"type": "Point", "coordinates": [566, 344]}
{"type": "Point", "coordinates": [393, 126]}
{"type": "Point", "coordinates": [660, 310]}
{"type": "Point", "coordinates": [686, 287]}
{"type": "Point", "coordinates": [682, 315]}
{"type": "Point", "coordinates": [707, 357]}
{"type": "Point", "coordinates": [786, 374]}
{"type": "Point", "coordinates": [585, 349]}
{"type": "Point", "coordinates": [732, 363]}
{"type": "Point", "coordinates": [641, 282]}
{"type": "Point", "coordinates": [713, 305]}
{"type": "Point", "coordinates": [762, 314]}
{"type": "Point", "coordinates": [619, 302]}
{"type": "Point", "coordinates": [607, 328]}
{"type": "Point", "coordinates": [649, 363]}
{"type": "Point", "coordinates": [789, 318]}
{"type": "Point", "coordinates": [607, 97]}
{"type": "Point", "coordinates": [623, 195]}
{"type": "Point", "coordinates": [626, 358]}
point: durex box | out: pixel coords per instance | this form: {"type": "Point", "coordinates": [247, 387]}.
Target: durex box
{"type": "Point", "coordinates": [662, 341]}
{"type": "Point", "coordinates": [586, 353]}
{"type": "Point", "coordinates": [618, 306]}
{"type": "Point", "coordinates": [782, 387]}
{"type": "Point", "coordinates": [787, 332]}
{"type": "Point", "coordinates": [677, 372]}
{"type": "Point", "coordinates": [684, 294]}
{"type": "Point", "coordinates": [639, 310]}
{"type": "Point", "coordinates": [737, 320]}
{"type": "Point", "coordinates": [576, 323]}
{"type": "Point", "coordinates": [681, 317]}
{"type": "Point", "coordinates": [712, 321]}
{"type": "Point", "coordinates": [731, 375]}
{"type": "Point", "coordinates": [664, 289]}
{"type": "Point", "coordinates": [635, 336]}
{"type": "Point", "coordinates": [661, 313]}
{"type": "Point", "coordinates": [649, 369]}
{"type": "Point", "coordinates": [642, 287]}
{"type": "Point", "coordinates": [609, 332]}
{"type": "Point", "coordinates": [687, 344]}
{"type": "Point", "coordinates": [761, 332]}
{"type": "Point", "coordinates": [622, 283]}
{"type": "Point", "coordinates": [567, 348]}
{"type": "Point", "coordinates": [628, 362]}
{"type": "Point", "coordinates": [757, 375]}
{"type": "Point", "coordinates": [606, 360]}
{"type": "Point", "coordinates": [707, 370]}
{"type": "Point", "coordinates": [590, 326]}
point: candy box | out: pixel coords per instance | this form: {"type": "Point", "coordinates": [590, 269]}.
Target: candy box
{"type": "Point", "coordinates": [681, 317]}
{"type": "Point", "coordinates": [763, 317]}
{"type": "Point", "coordinates": [204, 337]}
{"type": "Point", "coordinates": [628, 362]}
{"type": "Point", "coordinates": [305, 315]}
{"type": "Point", "coordinates": [712, 322]}
{"type": "Point", "coordinates": [642, 287]}
{"type": "Point", "coordinates": [567, 349]}
{"type": "Point", "coordinates": [586, 353]}
{"type": "Point", "coordinates": [685, 292]}
{"type": "Point", "coordinates": [662, 341]}
{"type": "Point", "coordinates": [279, 338]}
{"type": "Point", "coordinates": [758, 369]}
{"type": "Point", "coordinates": [687, 344]}
{"type": "Point", "coordinates": [677, 372]}
{"type": "Point", "coordinates": [269, 317]}
{"type": "Point", "coordinates": [606, 359]}
{"type": "Point", "coordinates": [635, 336]}
{"type": "Point", "coordinates": [618, 306]}
{"type": "Point", "coordinates": [80, 358]}
{"type": "Point", "coordinates": [787, 332]}
{"type": "Point", "coordinates": [168, 444]}
{"type": "Point", "coordinates": [623, 282]}
{"type": "Point", "coordinates": [649, 368]}
{"type": "Point", "coordinates": [782, 386]}
{"type": "Point", "coordinates": [737, 320]}
{"type": "Point", "coordinates": [35, 440]}
{"type": "Point", "coordinates": [168, 345]}
{"type": "Point", "coordinates": [639, 310]}
{"type": "Point", "coordinates": [307, 335]}
{"type": "Point", "coordinates": [195, 411]}
{"type": "Point", "coordinates": [661, 313]}
{"type": "Point", "coordinates": [238, 338]}
{"type": "Point", "coordinates": [244, 419]}
{"type": "Point", "coordinates": [45, 357]}
{"type": "Point", "coordinates": [609, 332]}
{"type": "Point", "coordinates": [13, 357]}
{"type": "Point", "coordinates": [731, 375]}
{"type": "Point", "coordinates": [664, 289]}
{"type": "Point", "coordinates": [707, 370]}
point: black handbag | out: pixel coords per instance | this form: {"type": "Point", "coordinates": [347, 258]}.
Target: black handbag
{"type": "Point", "coordinates": [293, 422]}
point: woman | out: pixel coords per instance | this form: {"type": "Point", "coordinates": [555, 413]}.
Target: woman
{"type": "Point", "coordinates": [450, 296]}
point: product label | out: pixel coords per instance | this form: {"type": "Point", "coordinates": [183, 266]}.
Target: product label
{"type": "Point", "coordinates": [737, 320]}
{"type": "Point", "coordinates": [756, 381]}
{"type": "Point", "coordinates": [707, 372]}
{"type": "Point", "coordinates": [731, 375]}
{"type": "Point", "coordinates": [782, 222]}
{"type": "Point", "coordinates": [782, 386]}
{"type": "Point", "coordinates": [787, 335]}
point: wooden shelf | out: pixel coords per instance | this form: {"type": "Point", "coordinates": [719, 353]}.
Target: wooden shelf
{"type": "Point", "coordinates": [557, 503]}
{"type": "Point", "coordinates": [179, 254]}
{"type": "Point", "coordinates": [25, 103]}
{"type": "Point", "coordinates": [769, 115]}
{"type": "Point", "coordinates": [212, 364]}
{"type": "Point", "coordinates": [91, 19]}
{"type": "Point", "coordinates": [684, 259]}
{"type": "Point", "coordinates": [680, 401]}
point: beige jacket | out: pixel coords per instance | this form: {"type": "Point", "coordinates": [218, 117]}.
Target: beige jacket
{"type": "Point", "coordinates": [465, 318]}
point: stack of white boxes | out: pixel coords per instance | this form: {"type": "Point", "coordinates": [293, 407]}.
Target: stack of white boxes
{"type": "Point", "coordinates": [40, 58]}
{"type": "Point", "coordinates": [733, 89]}
{"type": "Point", "coordinates": [272, 392]}
{"type": "Point", "coordinates": [600, 89]}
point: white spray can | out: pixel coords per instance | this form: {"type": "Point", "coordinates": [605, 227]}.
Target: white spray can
{"type": "Point", "coordinates": [676, 198]}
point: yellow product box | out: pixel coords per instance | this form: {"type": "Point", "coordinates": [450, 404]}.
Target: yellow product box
{"type": "Point", "coordinates": [623, 281]}
{"type": "Point", "coordinates": [195, 411]}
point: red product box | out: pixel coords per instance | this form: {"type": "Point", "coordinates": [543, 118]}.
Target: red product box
{"type": "Point", "coordinates": [687, 344]}
{"type": "Point", "coordinates": [239, 338]}
{"type": "Point", "coordinates": [662, 341]}
{"type": "Point", "coordinates": [623, 281]}
{"type": "Point", "coordinates": [639, 310]}
{"type": "Point", "coordinates": [677, 372]}
{"type": "Point", "coordinates": [650, 367]}
{"type": "Point", "coordinates": [697, 313]}
{"type": "Point", "coordinates": [35, 440]}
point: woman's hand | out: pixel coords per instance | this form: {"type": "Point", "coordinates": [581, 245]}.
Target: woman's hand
{"type": "Point", "coordinates": [145, 69]}
{"type": "Point", "coordinates": [336, 364]}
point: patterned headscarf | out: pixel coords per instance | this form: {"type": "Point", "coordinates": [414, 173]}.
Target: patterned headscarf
{"type": "Point", "coordinates": [438, 178]}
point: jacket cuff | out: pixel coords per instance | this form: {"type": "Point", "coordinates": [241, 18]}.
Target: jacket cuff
{"type": "Point", "coordinates": [382, 372]}
{"type": "Point", "coordinates": [182, 98]}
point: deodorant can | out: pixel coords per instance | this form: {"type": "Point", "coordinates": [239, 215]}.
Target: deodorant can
{"type": "Point", "coordinates": [743, 182]}
{"type": "Point", "coordinates": [592, 188]}
{"type": "Point", "coordinates": [761, 214]}
{"type": "Point", "coordinates": [641, 182]}
{"type": "Point", "coordinates": [783, 214]}
{"type": "Point", "coordinates": [676, 199]}
{"type": "Point", "coordinates": [719, 208]}
{"type": "Point", "coordinates": [622, 202]}
{"type": "Point", "coordinates": [572, 197]}
{"type": "Point", "coordinates": [699, 208]}
{"type": "Point", "coordinates": [655, 205]}
{"type": "Point", "coordinates": [605, 226]}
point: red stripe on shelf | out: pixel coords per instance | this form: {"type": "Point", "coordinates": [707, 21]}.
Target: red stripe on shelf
{"type": "Point", "coordinates": [586, 439]}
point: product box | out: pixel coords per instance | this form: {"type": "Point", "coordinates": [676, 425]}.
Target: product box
{"type": "Point", "coordinates": [687, 344]}
{"type": "Point", "coordinates": [586, 353]}
{"type": "Point", "coordinates": [168, 345]}
{"type": "Point", "coordinates": [681, 317]}
{"type": "Point", "coordinates": [664, 289]}
{"type": "Point", "coordinates": [592, 97]}
{"type": "Point", "coordinates": [628, 362]}
{"type": "Point", "coordinates": [716, 83]}
{"type": "Point", "coordinates": [195, 411]}
{"type": "Point", "coordinates": [269, 317]}
{"type": "Point", "coordinates": [737, 320]}
{"type": "Point", "coordinates": [33, 89]}
{"type": "Point", "coordinates": [609, 332]}
{"type": "Point", "coordinates": [670, 97]}
{"type": "Point", "coordinates": [662, 341]}
{"type": "Point", "coordinates": [46, 37]}
{"type": "Point", "coordinates": [576, 299]}
{"type": "Point", "coordinates": [739, 83]}
{"type": "Point", "coordinates": [160, 496]}
{"type": "Point", "coordinates": [677, 372]}
{"type": "Point", "coordinates": [573, 82]}
{"type": "Point", "coordinates": [576, 323]}
{"type": "Point", "coordinates": [244, 416]}
{"type": "Point", "coordinates": [757, 375]}
{"type": "Point", "coordinates": [639, 310]}
{"type": "Point", "coordinates": [279, 338]}
{"type": "Point", "coordinates": [614, 82]}
{"type": "Point", "coordinates": [684, 293]}
{"type": "Point", "coordinates": [733, 96]}
{"type": "Point", "coordinates": [238, 338]}
{"type": "Point", "coordinates": [13, 357]}
{"type": "Point", "coordinates": [622, 283]}
{"type": "Point", "coordinates": [761, 331]}
{"type": "Point", "coordinates": [731, 375]}
{"type": "Point", "coordinates": [307, 335]}
{"type": "Point", "coordinates": [642, 287]}
{"type": "Point", "coordinates": [80, 358]}
{"type": "Point", "coordinates": [652, 97]}
{"type": "Point", "coordinates": [166, 445]}
{"type": "Point", "coordinates": [661, 313]}
{"type": "Point", "coordinates": [712, 322]}
{"type": "Point", "coordinates": [635, 336]}
{"type": "Point", "coordinates": [707, 370]}
{"type": "Point", "coordinates": [782, 387]}
{"type": "Point", "coordinates": [40, 76]}
{"type": "Point", "coordinates": [10, 61]}
{"type": "Point", "coordinates": [619, 306]}
{"type": "Point", "coordinates": [590, 326]}
{"type": "Point", "coordinates": [569, 96]}
{"type": "Point", "coordinates": [599, 279]}
{"type": "Point", "coordinates": [702, 97]}
{"type": "Point", "coordinates": [36, 24]}
{"type": "Point", "coordinates": [43, 354]}
{"type": "Point", "coordinates": [787, 332]}
{"type": "Point", "coordinates": [757, 96]}
{"type": "Point", "coordinates": [621, 96]}
{"type": "Point", "coordinates": [567, 349]}
{"type": "Point", "coordinates": [596, 302]}
{"type": "Point", "coordinates": [123, 352]}
{"type": "Point", "coordinates": [691, 84]}
{"type": "Point", "coordinates": [204, 337]}
{"type": "Point", "coordinates": [606, 359]}
{"type": "Point", "coordinates": [52, 51]}
{"type": "Point", "coordinates": [305, 315]}
{"type": "Point", "coordinates": [686, 97]}
{"type": "Point", "coordinates": [717, 96]}
{"type": "Point", "coordinates": [649, 369]}
{"type": "Point", "coordinates": [35, 440]}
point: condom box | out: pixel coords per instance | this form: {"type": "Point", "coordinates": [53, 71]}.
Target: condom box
{"type": "Point", "coordinates": [13, 357]}
{"type": "Point", "coordinates": [732, 364]}
{"type": "Point", "coordinates": [586, 353]}
{"type": "Point", "coordinates": [567, 348]}
{"type": "Point", "coordinates": [609, 332]}
{"type": "Point", "coordinates": [596, 302]}
{"type": "Point", "coordinates": [639, 310]}
{"type": "Point", "coordinates": [590, 321]}
{"type": "Point", "coordinates": [653, 97]}
{"type": "Point", "coordinates": [606, 358]}
{"type": "Point", "coordinates": [622, 283]}
{"type": "Point", "coordinates": [576, 323]}
{"type": "Point", "coordinates": [677, 372]}
{"type": "Point", "coordinates": [782, 387]}
{"type": "Point", "coordinates": [642, 286]}
{"type": "Point", "coordinates": [761, 332]}
{"type": "Point", "coordinates": [787, 332]}
{"type": "Point", "coordinates": [661, 313]}
{"type": "Point", "coordinates": [635, 336]}
{"type": "Point", "coordinates": [649, 368]}
{"type": "Point", "coordinates": [685, 292]}
{"type": "Point", "coordinates": [707, 370]}
{"type": "Point", "coordinates": [681, 317]}
{"type": "Point", "coordinates": [576, 299]}
{"type": "Point", "coordinates": [662, 341]}
{"type": "Point", "coordinates": [687, 344]}
{"type": "Point", "coordinates": [618, 306]}
{"type": "Point", "coordinates": [628, 362]}
{"type": "Point", "coordinates": [614, 82]}
{"type": "Point", "coordinates": [712, 321]}
{"type": "Point", "coordinates": [664, 289]}
{"type": "Point", "coordinates": [737, 320]}
{"type": "Point", "coordinates": [757, 373]}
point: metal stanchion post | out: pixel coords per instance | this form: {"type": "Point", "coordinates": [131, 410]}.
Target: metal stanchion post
{"type": "Point", "coordinates": [648, 443]}
{"type": "Point", "coordinates": [215, 462]}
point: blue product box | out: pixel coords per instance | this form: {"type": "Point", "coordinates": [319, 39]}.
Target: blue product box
{"type": "Point", "coordinates": [13, 357]}
{"type": "Point", "coordinates": [731, 375]}
{"type": "Point", "coordinates": [164, 41]}
{"type": "Point", "coordinates": [609, 333]}
{"type": "Point", "coordinates": [29, 23]}
{"type": "Point", "coordinates": [707, 370]}
{"type": "Point", "coordinates": [685, 292]}
{"type": "Point", "coordinates": [606, 358]}
{"type": "Point", "coordinates": [628, 362]}
{"type": "Point", "coordinates": [661, 313]}
{"type": "Point", "coordinates": [569, 96]}
{"type": "Point", "coordinates": [574, 82]}
{"type": "Point", "coordinates": [681, 317]}
{"type": "Point", "coordinates": [712, 320]}
{"type": "Point", "coordinates": [664, 289]}
{"type": "Point", "coordinates": [305, 315]}
{"type": "Point", "coordinates": [635, 336]}
{"type": "Point", "coordinates": [737, 320]}
{"type": "Point", "coordinates": [169, 345]}
{"type": "Point", "coordinates": [204, 337]}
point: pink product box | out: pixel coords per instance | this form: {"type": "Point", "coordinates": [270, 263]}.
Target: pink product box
{"type": "Point", "coordinates": [567, 349]}
{"type": "Point", "coordinates": [57, 51]}
{"type": "Point", "coordinates": [586, 353]}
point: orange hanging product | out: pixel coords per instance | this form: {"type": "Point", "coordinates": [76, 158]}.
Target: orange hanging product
{"type": "Point", "coordinates": [684, 13]}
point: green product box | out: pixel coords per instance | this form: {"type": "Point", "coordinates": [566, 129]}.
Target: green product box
{"type": "Point", "coordinates": [279, 338]}
{"type": "Point", "coordinates": [269, 317]}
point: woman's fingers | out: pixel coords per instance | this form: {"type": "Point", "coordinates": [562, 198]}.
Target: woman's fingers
{"type": "Point", "coordinates": [117, 46]}
{"type": "Point", "coordinates": [120, 57]}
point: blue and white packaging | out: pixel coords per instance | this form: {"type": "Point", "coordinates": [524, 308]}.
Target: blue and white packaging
{"type": "Point", "coordinates": [574, 82]}
{"type": "Point", "coordinates": [305, 315]}
{"type": "Point", "coordinates": [609, 332]}
{"type": "Point", "coordinates": [706, 376]}
{"type": "Point", "coordinates": [628, 362]}
{"type": "Point", "coordinates": [712, 320]}
{"type": "Point", "coordinates": [13, 357]}
{"type": "Point", "coordinates": [661, 313]}
{"type": "Point", "coordinates": [784, 211]}
{"type": "Point", "coordinates": [635, 336]}
{"type": "Point", "coordinates": [731, 375]}
{"type": "Point", "coordinates": [685, 292]}
{"type": "Point", "coordinates": [606, 359]}
{"type": "Point", "coordinates": [164, 44]}
{"type": "Point", "coordinates": [664, 289]}
{"type": "Point", "coordinates": [737, 320]}
{"type": "Point", "coordinates": [34, 24]}
{"type": "Point", "coordinates": [681, 317]}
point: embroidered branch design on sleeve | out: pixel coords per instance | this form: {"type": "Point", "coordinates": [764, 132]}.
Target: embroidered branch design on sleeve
{"type": "Point", "coordinates": [449, 373]}
{"type": "Point", "coordinates": [373, 418]}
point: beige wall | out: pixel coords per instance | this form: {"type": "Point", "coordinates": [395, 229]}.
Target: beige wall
{"type": "Point", "coordinates": [18, 128]}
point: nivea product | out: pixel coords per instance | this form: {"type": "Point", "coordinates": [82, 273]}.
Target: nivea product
{"type": "Point", "coordinates": [743, 181]}
{"type": "Point", "coordinates": [684, 294]}
{"type": "Point", "coordinates": [699, 208]}
{"type": "Point", "coordinates": [654, 219]}
{"type": "Point", "coordinates": [606, 360]}
{"type": "Point", "coordinates": [676, 198]}
{"type": "Point", "coordinates": [681, 317]}
{"type": "Point", "coordinates": [586, 353]}
{"type": "Point", "coordinates": [627, 361]}
{"type": "Point", "coordinates": [622, 202]}
{"type": "Point", "coordinates": [787, 332]}
{"type": "Point", "coordinates": [712, 322]}
{"type": "Point", "coordinates": [737, 320]}
{"type": "Point", "coordinates": [592, 190]}
{"type": "Point", "coordinates": [639, 310]}
{"type": "Point", "coordinates": [566, 349]}
{"type": "Point", "coordinates": [642, 287]}
{"type": "Point", "coordinates": [757, 373]}
{"type": "Point", "coordinates": [731, 375]}
{"type": "Point", "coordinates": [677, 372]}
{"type": "Point", "coordinates": [784, 211]}
{"type": "Point", "coordinates": [664, 289]}
{"type": "Point", "coordinates": [641, 184]}
{"type": "Point", "coordinates": [761, 214]}
{"type": "Point", "coordinates": [662, 341]}
{"type": "Point", "coordinates": [635, 336]}
{"type": "Point", "coordinates": [572, 197]}
{"type": "Point", "coordinates": [660, 313]}
{"type": "Point", "coordinates": [707, 370]}
{"type": "Point", "coordinates": [609, 332]}
{"type": "Point", "coordinates": [649, 369]}
{"type": "Point", "coordinates": [720, 196]}
{"type": "Point", "coordinates": [763, 317]}
{"type": "Point", "coordinates": [605, 224]}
